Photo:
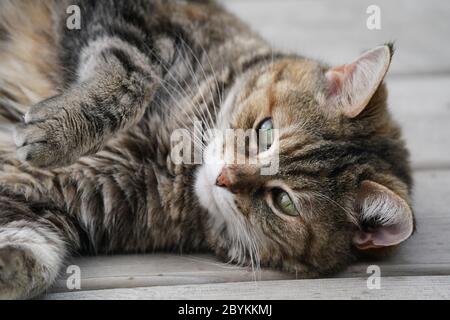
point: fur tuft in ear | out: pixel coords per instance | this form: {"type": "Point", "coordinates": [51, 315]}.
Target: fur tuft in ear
{"type": "Point", "coordinates": [351, 86]}
{"type": "Point", "coordinates": [385, 218]}
{"type": "Point", "coordinates": [391, 47]}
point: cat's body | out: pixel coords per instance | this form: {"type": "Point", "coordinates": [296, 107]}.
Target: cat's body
{"type": "Point", "coordinates": [107, 99]}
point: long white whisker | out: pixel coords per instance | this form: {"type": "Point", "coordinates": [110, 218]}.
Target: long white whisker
{"type": "Point", "coordinates": [197, 81]}
{"type": "Point", "coordinates": [215, 78]}
{"type": "Point", "coordinates": [325, 197]}
{"type": "Point", "coordinates": [249, 245]}
{"type": "Point", "coordinates": [198, 143]}
{"type": "Point", "coordinates": [195, 107]}
{"type": "Point", "coordinates": [208, 122]}
{"type": "Point", "coordinates": [177, 104]}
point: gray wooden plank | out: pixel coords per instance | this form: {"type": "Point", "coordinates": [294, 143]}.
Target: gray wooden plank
{"type": "Point", "coordinates": [125, 271]}
{"type": "Point", "coordinates": [426, 253]}
{"type": "Point", "coordinates": [437, 287]}
{"type": "Point", "coordinates": [421, 105]}
{"type": "Point", "coordinates": [431, 194]}
{"type": "Point", "coordinates": [335, 31]}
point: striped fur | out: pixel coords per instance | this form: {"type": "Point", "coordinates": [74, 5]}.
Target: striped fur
{"type": "Point", "coordinates": [93, 111]}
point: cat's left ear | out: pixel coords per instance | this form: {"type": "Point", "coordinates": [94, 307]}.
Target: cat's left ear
{"type": "Point", "coordinates": [351, 86]}
{"type": "Point", "coordinates": [385, 219]}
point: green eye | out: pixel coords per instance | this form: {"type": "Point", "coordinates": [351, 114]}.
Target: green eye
{"type": "Point", "coordinates": [265, 135]}
{"type": "Point", "coordinates": [285, 203]}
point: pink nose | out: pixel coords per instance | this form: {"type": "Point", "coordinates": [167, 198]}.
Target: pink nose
{"type": "Point", "coordinates": [223, 180]}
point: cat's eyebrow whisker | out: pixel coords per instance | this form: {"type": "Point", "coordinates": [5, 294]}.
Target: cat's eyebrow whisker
{"type": "Point", "coordinates": [325, 197]}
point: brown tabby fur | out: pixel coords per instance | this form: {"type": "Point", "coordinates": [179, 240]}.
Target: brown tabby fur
{"type": "Point", "coordinates": [112, 187]}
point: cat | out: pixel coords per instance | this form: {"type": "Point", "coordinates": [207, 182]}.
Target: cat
{"type": "Point", "coordinates": [86, 152]}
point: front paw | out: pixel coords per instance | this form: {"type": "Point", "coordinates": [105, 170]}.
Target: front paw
{"type": "Point", "coordinates": [54, 134]}
{"type": "Point", "coordinates": [17, 278]}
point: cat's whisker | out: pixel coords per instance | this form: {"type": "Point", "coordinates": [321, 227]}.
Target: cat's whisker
{"type": "Point", "coordinates": [182, 121]}
{"type": "Point", "coordinates": [215, 78]}
{"type": "Point", "coordinates": [197, 141]}
{"type": "Point", "coordinates": [249, 247]}
{"type": "Point", "coordinates": [202, 69]}
{"type": "Point", "coordinates": [208, 122]}
{"type": "Point", "coordinates": [325, 197]}
{"type": "Point", "coordinates": [197, 104]}
{"type": "Point", "coordinates": [197, 81]}
{"type": "Point", "coordinates": [225, 265]}
{"type": "Point", "coordinates": [195, 107]}
{"type": "Point", "coordinates": [164, 85]}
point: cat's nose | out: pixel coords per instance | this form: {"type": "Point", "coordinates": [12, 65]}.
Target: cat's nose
{"type": "Point", "coordinates": [223, 180]}
{"type": "Point", "coordinates": [239, 179]}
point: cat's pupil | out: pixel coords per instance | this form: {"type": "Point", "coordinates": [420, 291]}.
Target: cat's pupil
{"type": "Point", "coordinates": [286, 204]}
{"type": "Point", "coordinates": [265, 135]}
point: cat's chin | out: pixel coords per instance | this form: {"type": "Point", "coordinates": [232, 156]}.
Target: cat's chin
{"type": "Point", "coordinates": [222, 212]}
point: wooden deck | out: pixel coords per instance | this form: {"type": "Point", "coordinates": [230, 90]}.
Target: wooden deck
{"type": "Point", "coordinates": [419, 84]}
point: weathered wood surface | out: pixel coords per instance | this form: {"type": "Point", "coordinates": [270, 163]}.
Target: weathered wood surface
{"type": "Point", "coordinates": [127, 271]}
{"type": "Point", "coordinates": [426, 253]}
{"type": "Point", "coordinates": [419, 86]}
{"type": "Point", "coordinates": [335, 31]}
{"type": "Point", "coordinates": [437, 287]}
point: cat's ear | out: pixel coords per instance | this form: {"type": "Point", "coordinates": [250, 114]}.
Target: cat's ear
{"type": "Point", "coordinates": [385, 219]}
{"type": "Point", "coordinates": [351, 86]}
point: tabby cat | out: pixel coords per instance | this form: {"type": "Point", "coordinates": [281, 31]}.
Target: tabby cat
{"type": "Point", "coordinates": [86, 147]}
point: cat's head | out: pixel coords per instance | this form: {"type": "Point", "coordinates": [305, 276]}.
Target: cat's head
{"type": "Point", "coordinates": [342, 181]}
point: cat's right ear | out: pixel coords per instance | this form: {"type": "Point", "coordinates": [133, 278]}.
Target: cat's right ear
{"type": "Point", "coordinates": [351, 86]}
{"type": "Point", "coordinates": [384, 218]}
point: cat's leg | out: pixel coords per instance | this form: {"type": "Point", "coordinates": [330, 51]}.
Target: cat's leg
{"type": "Point", "coordinates": [79, 122]}
{"type": "Point", "coordinates": [114, 83]}
{"type": "Point", "coordinates": [34, 242]}
{"type": "Point", "coordinates": [36, 233]}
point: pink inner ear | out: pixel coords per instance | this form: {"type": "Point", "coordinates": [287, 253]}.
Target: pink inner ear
{"type": "Point", "coordinates": [393, 215]}
{"type": "Point", "coordinates": [351, 86]}
{"type": "Point", "coordinates": [385, 236]}
{"type": "Point", "coordinates": [336, 78]}
{"type": "Point", "coordinates": [363, 240]}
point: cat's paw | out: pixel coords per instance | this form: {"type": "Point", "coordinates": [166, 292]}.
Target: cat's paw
{"type": "Point", "coordinates": [54, 134]}
{"type": "Point", "coordinates": [17, 278]}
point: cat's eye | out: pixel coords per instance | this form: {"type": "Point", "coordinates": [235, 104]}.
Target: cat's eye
{"type": "Point", "coordinates": [285, 203]}
{"type": "Point", "coordinates": [265, 135]}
